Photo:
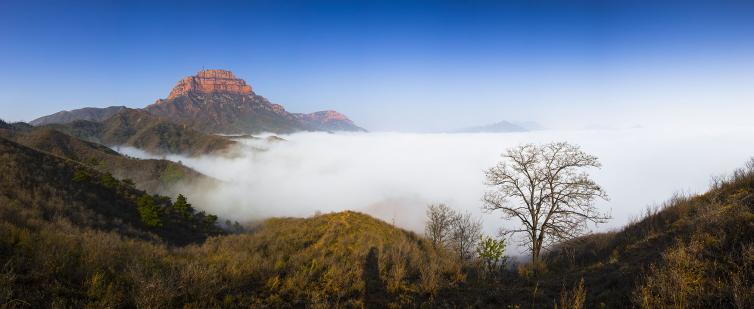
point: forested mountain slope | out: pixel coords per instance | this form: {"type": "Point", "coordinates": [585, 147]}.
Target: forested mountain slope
{"type": "Point", "coordinates": [154, 176]}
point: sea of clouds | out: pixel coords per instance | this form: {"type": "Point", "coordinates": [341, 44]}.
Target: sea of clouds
{"type": "Point", "coordinates": [394, 176]}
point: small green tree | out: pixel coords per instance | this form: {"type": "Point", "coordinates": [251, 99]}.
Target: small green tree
{"type": "Point", "coordinates": [182, 206]}
{"type": "Point", "coordinates": [148, 211]}
{"type": "Point", "coordinates": [80, 176]}
{"type": "Point", "coordinates": [491, 251]}
{"type": "Point", "coordinates": [109, 181]}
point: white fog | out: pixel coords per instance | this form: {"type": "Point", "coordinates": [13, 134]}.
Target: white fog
{"type": "Point", "coordinates": [393, 176]}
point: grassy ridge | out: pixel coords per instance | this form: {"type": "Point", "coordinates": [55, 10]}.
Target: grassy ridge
{"type": "Point", "coordinates": [347, 259]}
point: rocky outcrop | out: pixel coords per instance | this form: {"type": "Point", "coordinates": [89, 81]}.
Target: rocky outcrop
{"type": "Point", "coordinates": [208, 81]}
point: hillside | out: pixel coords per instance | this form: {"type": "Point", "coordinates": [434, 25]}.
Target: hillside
{"type": "Point", "coordinates": [69, 234]}
{"type": "Point", "coordinates": [139, 129]}
{"type": "Point", "coordinates": [346, 258]}
{"type": "Point", "coordinates": [154, 176]}
{"type": "Point", "coordinates": [87, 113]}
{"type": "Point", "coordinates": [35, 184]}
{"type": "Point", "coordinates": [693, 251]}
{"type": "Point", "coordinates": [227, 113]}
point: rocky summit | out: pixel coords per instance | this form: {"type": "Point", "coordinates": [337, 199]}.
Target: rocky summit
{"type": "Point", "coordinates": [208, 81]}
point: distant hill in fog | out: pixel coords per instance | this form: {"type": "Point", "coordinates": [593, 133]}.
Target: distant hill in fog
{"type": "Point", "coordinates": [502, 127]}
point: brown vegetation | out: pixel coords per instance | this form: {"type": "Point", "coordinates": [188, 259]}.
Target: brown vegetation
{"type": "Point", "coordinates": [693, 251]}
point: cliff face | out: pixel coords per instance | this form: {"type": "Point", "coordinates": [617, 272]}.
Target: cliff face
{"type": "Point", "coordinates": [216, 101]}
{"type": "Point", "coordinates": [209, 81]}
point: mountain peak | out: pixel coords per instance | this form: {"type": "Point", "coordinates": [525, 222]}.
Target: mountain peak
{"type": "Point", "coordinates": [325, 116]}
{"type": "Point", "coordinates": [208, 81]}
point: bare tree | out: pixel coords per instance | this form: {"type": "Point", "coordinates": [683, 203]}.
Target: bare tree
{"type": "Point", "coordinates": [547, 189]}
{"type": "Point", "coordinates": [448, 228]}
{"type": "Point", "coordinates": [465, 234]}
{"type": "Point", "coordinates": [439, 224]}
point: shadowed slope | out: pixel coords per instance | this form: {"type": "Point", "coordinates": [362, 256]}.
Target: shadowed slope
{"type": "Point", "coordinates": [154, 176]}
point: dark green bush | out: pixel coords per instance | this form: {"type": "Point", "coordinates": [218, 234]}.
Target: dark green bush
{"type": "Point", "coordinates": [148, 211]}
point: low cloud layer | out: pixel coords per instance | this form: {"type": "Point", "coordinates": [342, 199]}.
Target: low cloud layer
{"type": "Point", "coordinates": [394, 175]}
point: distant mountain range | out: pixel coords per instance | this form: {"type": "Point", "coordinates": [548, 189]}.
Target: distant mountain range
{"type": "Point", "coordinates": [216, 101]}
{"type": "Point", "coordinates": [502, 126]}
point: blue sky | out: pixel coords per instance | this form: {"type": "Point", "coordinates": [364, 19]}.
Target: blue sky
{"type": "Point", "coordinates": [394, 66]}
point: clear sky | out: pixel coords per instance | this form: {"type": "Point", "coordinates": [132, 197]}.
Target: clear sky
{"type": "Point", "coordinates": [394, 66]}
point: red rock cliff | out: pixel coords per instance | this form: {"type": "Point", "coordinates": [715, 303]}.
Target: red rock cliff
{"type": "Point", "coordinates": [208, 81]}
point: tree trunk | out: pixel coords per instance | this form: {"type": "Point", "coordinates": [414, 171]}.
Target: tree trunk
{"type": "Point", "coordinates": [535, 248]}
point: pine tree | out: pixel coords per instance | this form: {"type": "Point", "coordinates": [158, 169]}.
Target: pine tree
{"type": "Point", "coordinates": [182, 206]}
{"type": "Point", "coordinates": [149, 211]}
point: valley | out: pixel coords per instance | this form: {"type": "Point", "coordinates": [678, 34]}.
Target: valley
{"type": "Point", "coordinates": [376, 154]}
